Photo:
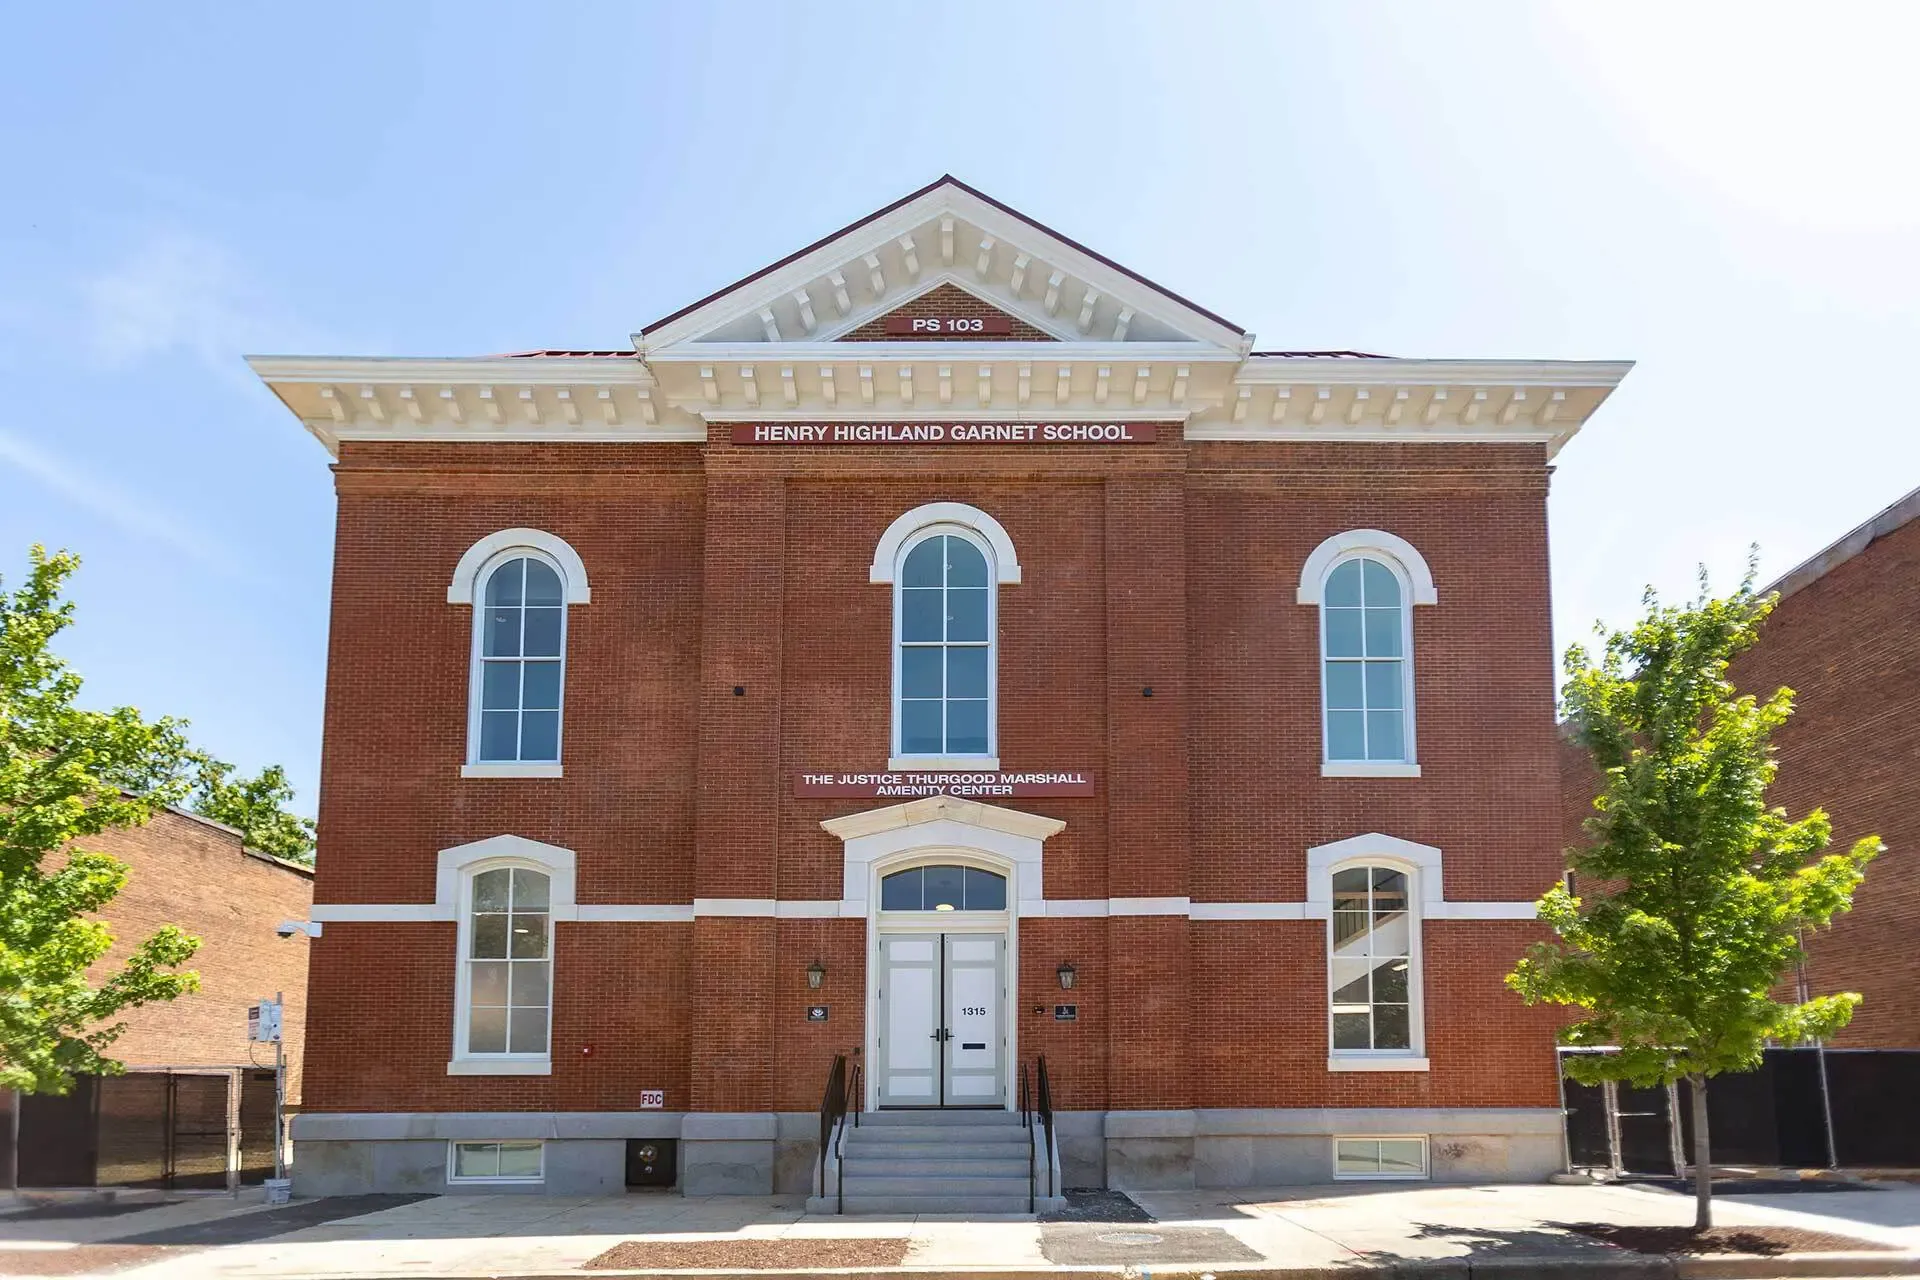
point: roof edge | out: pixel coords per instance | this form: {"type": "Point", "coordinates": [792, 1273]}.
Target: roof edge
{"type": "Point", "coordinates": [1888, 520]}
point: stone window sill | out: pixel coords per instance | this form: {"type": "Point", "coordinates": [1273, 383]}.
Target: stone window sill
{"type": "Point", "coordinates": [503, 1066]}
{"type": "Point", "coordinates": [510, 771]}
{"type": "Point", "coordinates": [1358, 1063]}
{"type": "Point", "coordinates": [1368, 769]}
{"type": "Point", "coordinates": [951, 764]}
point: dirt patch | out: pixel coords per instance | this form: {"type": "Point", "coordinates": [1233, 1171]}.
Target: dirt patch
{"type": "Point", "coordinates": [1767, 1242]}
{"type": "Point", "coordinates": [752, 1255]}
{"type": "Point", "coordinates": [1097, 1204]}
{"type": "Point", "coordinates": [85, 1259]}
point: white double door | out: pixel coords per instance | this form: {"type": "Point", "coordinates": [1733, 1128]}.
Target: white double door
{"type": "Point", "coordinates": [942, 1020]}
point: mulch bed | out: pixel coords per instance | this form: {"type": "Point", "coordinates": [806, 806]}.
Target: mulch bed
{"type": "Point", "coordinates": [1764, 1241]}
{"type": "Point", "coordinates": [85, 1259]}
{"type": "Point", "coordinates": [753, 1255]}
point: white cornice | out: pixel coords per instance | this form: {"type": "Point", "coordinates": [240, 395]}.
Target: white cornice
{"type": "Point", "coordinates": [1393, 371]}
{"type": "Point", "coordinates": [969, 813]}
{"type": "Point", "coordinates": [955, 353]}
{"type": "Point", "coordinates": [544, 371]}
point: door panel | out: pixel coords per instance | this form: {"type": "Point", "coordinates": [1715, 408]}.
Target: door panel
{"type": "Point", "coordinates": [910, 1018]}
{"type": "Point", "coordinates": [973, 1019]}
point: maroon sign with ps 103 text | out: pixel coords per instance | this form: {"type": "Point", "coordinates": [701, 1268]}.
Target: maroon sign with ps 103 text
{"type": "Point", "coordinates": [907, 433]}
{"type": "Point", "coordinates": [974, 786]}
{"type": "Point", "coordinates": [947, 326]}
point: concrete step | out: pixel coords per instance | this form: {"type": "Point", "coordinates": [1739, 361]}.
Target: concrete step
{"type": "Point", "coordinates": [946, 1184]}
{"type": "Point", "coordinates": [909, 1204]}
{"type": "Point", "coordinates": [938, 1166]}
{"type": "Point", "coordinates": [917, 1119]}
{"type": "Point", "coordinates": [951, 1152]}
{"type": "Point", "coordinates": [939, 1137]}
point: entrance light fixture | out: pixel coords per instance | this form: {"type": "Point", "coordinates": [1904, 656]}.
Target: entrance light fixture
{"type": "Point", "coordinates": [816, 974]}
{"type": "Point", "coordinates": [1066, 974]}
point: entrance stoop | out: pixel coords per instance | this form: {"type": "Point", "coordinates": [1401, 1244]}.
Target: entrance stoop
{"type": "Point", "coordinates": [939, 1162]}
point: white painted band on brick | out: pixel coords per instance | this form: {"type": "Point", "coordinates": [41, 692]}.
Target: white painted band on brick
{"type": "Point", "coordinates": [826, 909]}
{"type": "Point", "coordinates": [1383, 1063]}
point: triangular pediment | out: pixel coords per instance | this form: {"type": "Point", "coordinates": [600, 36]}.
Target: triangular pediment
{"type": "Point", "coordinates": [944, 243]}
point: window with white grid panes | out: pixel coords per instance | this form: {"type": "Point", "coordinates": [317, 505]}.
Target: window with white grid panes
{"type": "Point", "coordinates": [509, 963]}
{"type": "Point", "coordinates": [496, 1161]}
{"type": "Point", "coordinates": [1366, 682]}
{"type": "Point", "coordinates": [520, 663]}
{"type": "Point", "coordinates": [944, 648]}
{"type": "Point", "coordinates": [1371, 958]}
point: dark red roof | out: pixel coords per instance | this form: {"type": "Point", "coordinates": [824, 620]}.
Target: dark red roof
{"type": "Point", "coordinates": [945, 179]}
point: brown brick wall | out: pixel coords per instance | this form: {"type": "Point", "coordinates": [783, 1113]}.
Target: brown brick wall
{"type": "Point", "coordinates": [192, 874]}
{"type": "Point", "coordinates": [1848, 646]}
{"type": "Point", "coordinates": [1166, 566]}
{"type": "Point", "coordinates": [946, 300]}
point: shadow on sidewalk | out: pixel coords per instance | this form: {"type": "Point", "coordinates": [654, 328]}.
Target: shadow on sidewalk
{"type": "Point", "coordinates": [246, 1228]}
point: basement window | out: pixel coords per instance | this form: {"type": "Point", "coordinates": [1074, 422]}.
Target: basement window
{"type": "Point", "coordinates": [1380, 1158]}
{"type": "Point", "coordinates": [496, 1162]}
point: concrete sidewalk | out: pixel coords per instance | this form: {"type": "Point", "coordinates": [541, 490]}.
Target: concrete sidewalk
{"type": "Point", "coordinates": [1350, 1229]}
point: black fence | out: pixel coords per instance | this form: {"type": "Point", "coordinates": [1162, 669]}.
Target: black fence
{"type": "Point", "coordinates": [176, 1131]}
{"type": "Point", "coordinates": [1776, 1114]}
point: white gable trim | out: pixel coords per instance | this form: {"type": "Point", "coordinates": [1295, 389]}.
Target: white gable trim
{"type": "Point", "coordinates": [886, 553]}
{"type": "Point", "coordinates": [875, 308]}
{"type": "Point", "coordinates": [1313, 574]}
{"type": "Point", "coordinates": [572, 569]}
{"type": "Point", "coordinates": [1009, 839]}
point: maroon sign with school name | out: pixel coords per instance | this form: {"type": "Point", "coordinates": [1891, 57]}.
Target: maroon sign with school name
{"type": "Point", "coordinates": [947, 326]}
{"type": "Point", "coordinates": [971, 786]}
{"type": "Point", "coordinates": [907, 433]}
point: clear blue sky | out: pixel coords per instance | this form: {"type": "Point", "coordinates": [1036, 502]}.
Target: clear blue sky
{"type": "Point", "coordinates": [1727, 194]}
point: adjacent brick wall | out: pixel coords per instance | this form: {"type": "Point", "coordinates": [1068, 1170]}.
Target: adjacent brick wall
{"type": "Point", "coordinates": [1848, 646]}
{"type": "Point", "coordinates": [1162, 566]}
{"type": "Point", "coordinates": [194, 874]}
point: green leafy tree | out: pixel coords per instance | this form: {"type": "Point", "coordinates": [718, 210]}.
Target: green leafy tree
{"type": "Point", "coordinates": [68, 774]}
{"type": "Point", "coordinates": [1703, 889]}
{"type": "Point", "coordinates": [256, 807]}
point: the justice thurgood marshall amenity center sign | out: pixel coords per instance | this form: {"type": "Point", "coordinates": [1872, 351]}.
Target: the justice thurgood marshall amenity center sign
{"type": "Point", "coordinates": [944, 433]}
{"type": "Point", "coordinates": [913, 786]}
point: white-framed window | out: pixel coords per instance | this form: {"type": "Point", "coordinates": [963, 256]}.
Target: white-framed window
{"type": "Point", "coordinates": [496, 1162]}
{"type": "Point", "coordinates": [505, 983]}
{"type": "Point", "coordinates": [519, 660]}
{"type": "Point", "coordinates": [1366, 662]}
{"type": "Point", "coordinates": [1361, 1157]}
{"type": "Point", "coordinates": [1373, 954]}
{"type": "Point", "coordinates": [1365, 583]}
{"type": "Point", "coordinates": [944, 626]}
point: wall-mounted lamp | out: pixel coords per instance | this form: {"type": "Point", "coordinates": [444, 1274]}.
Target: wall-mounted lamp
{"type": "Point", "coordinates": [1065, 971]}
{"type": "Point", "coordinates": [816, 974]}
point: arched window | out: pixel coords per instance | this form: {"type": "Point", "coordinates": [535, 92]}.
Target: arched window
{"type": "Point", "coordinates": [943, 888]}
{"type": "Point", "coordinates": [1371, 955]}
{"type": "Point", "coordinates": [519, 664]}
{"type": "Point", "coordinates": [944, 674]}
{"type": "Point", "coordinates": [1367, 672]}
{"type": "Point", "coordinates": [506, 971]}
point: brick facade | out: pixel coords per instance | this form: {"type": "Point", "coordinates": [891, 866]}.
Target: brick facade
{"type": "Point", "coordinates": [946, 300]}
{"type": "Point", "coordinates": [192, 873]}
{"type": "Point", "coordinates": [1169, 566]}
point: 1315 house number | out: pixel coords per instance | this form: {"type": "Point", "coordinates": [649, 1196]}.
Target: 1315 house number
{"type": "Point", "coordinates": [973, 1011]}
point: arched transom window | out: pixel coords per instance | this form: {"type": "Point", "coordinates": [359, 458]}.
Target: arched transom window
{"type": "Point", "coordinates": [1372, 957]}
{"type": "Point", "coordinates": [944, 671]}
{"type": "Point", "coordinates": [509, 963]}
{"type": "Point", "coordinates": [943, 888]}
{"type": "Point", "coordinates": [1367, 673]}
{"type": "Point", "coordinates": [519, 661]}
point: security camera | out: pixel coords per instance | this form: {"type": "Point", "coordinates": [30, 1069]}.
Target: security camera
{"type": "Point", "coordinates": [288, 928]}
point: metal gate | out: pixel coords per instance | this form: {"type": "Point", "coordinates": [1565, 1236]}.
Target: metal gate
{"type": "Point", "coordinates": [173, 1131]}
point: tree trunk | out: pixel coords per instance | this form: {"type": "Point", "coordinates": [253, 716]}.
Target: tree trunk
{"type": "Point", "coordinates": [1702, 1157]}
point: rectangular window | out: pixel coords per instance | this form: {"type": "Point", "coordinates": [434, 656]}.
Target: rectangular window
{"type": "Point", "coordinates": [496, 1161]}
{"type": "Point", "coordinates": [1371, 956]}
{"type": "Point", "coordinates": [1380, 1158]}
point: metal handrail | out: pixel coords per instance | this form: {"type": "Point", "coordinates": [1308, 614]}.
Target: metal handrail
{"type": "Point", "coordinates": [833, 1110]}
{"type": "Point", "coordinates": [1026, 1122]}
{"type": "Point", "coordinates": [839, 1143]}
{"type": "Point", "coordinates": [1044, 1096]}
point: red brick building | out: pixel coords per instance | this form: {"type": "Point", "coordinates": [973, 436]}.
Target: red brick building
{"type": "Point", "coordinates": [1843, 638]}
{"type": "Point", "coordinates": [192, 1073]}
{"type": "Point", "coordinates": [944, 647]}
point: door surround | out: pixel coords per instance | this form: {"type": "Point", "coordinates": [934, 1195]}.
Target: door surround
{"type": "Point", "coordinates": [943, 829]}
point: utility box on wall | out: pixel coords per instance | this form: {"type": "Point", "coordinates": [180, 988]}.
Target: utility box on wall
{"type": "Point", "coordinates": [651, 1161]}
